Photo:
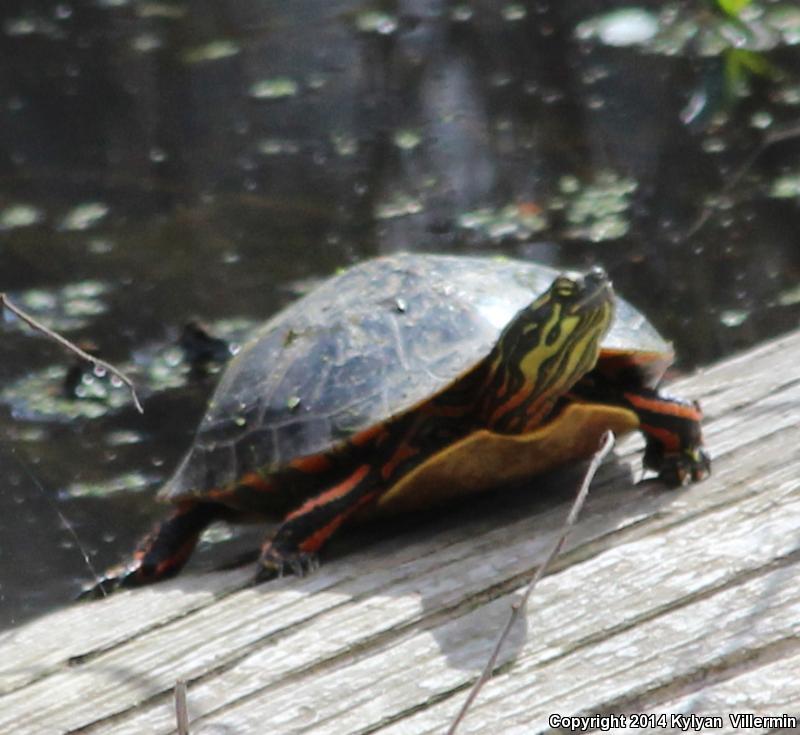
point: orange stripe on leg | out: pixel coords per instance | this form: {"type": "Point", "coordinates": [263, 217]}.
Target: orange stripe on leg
{"type": "Point", "coordinates": [682, 410]}
{"type": "Point", "coordinates": [331, 494]}
{"type": "Point", "coordinates": [669, 439]}
{"type": "Point", "coordinates": [404, 452]}
{"type": "Point", "coordinates": [315, 541]}
{"type": "Point", "coordinates": [177, 560]}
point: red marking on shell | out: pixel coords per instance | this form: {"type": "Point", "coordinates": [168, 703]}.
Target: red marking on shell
{"type": "Point", "coordinates": [312, 465]}
{"type": "Point", "coordinates": [256, 481]}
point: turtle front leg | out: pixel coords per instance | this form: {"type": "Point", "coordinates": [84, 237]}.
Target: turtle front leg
{"type": "Point", "coordinates": [295, 544]}
{"type": "Point", "coordinates": [162, 553]}
{"type": "Point", "coordinates": [674, 438]}
{"type": "Point", "coordinates": [671, 427]}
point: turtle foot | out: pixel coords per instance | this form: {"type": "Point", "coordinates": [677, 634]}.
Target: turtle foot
{"type": "Point", "coordinates": [275, 563]}
{"type": "Point", "coordinates": [678, 468]}
{"type": "Point", "coordinates": [124, 575]}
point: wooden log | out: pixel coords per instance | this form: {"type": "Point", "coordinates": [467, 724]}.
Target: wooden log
{"type": "Point", "coordinates": [664, 602]}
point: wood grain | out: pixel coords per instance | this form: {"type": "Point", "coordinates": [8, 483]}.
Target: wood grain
{"type": "Point", "coordinates": [681, 601]}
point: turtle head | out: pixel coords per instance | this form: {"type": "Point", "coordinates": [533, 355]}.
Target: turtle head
{"type": "Point", "coordinates": [546, 349]}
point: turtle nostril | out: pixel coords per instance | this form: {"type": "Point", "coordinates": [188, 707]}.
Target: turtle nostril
{"type": "Point", "coordinates": [597, 277]}
{"type": "Point", "coordinates": [597, 273]}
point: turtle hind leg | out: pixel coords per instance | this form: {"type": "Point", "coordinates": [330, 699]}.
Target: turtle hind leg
{"type": "Point", "coordinates": [294, 546]}
{"type": "Point", "coordinates": [162, 553]}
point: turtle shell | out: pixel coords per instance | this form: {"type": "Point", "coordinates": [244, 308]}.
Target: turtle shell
{"type": "Point", "coordinates": [368, 344]}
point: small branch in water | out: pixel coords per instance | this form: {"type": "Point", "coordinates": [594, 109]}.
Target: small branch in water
{"type": "Point", "coordinates": [517, 607]}
{"type": "Point", "coordinates": [774, 136]}
{"type": "Point", "coordinates": [97, 362]}
{"type": "Point", "coordinates": [64, 520]}
{"type": "Point", "coordinates": [181, 708]}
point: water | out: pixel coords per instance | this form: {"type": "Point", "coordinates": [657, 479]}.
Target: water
{"type": "Point", "coordinates": [161, 166]}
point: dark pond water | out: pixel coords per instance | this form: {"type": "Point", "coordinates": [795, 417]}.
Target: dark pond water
{"type": "Point", "coordinates": [166, 161]}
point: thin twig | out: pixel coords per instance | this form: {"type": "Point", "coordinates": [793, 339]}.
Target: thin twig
{"type": "Point", "coordinates": [181, 708]}
{"type": "Point", "coordinates": [97, 362]}
{"type": "Point", "coordinates": [774, 136]}
{"type": "Point", "coordinates": [49, 499]}
{"type": "Point", "coordinates": [516, 608]}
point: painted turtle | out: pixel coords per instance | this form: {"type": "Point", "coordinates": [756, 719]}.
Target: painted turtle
{"type": "Point", "coordinates": [407, 379]}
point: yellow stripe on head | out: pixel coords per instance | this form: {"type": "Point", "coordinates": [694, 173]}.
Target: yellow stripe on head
{"type": "Point", "coordinates": [546, 348]}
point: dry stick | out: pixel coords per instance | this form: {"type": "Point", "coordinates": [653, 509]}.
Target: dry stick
{"type": "Point", "coordinates": [181, 708]}
{"type": "Point", "coordinates": [516, 608]}
{"type": "Point", "coordinates": [98, 363]}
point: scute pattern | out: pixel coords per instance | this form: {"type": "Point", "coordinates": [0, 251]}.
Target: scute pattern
{"type": "Point", "coordinates": [365, 345]}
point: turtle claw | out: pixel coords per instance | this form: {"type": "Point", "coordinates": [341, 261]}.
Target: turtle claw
{"type": "Point", "coordinates": [678, 468]}
{"type": "Point", "coordinates": [125, 575]}
{"type": "Point", "coordinates": [274, 564]}
{"type": "Point", "coordinates": [102, 587]}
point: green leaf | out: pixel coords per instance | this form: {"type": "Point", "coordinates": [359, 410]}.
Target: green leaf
{"type": "Point", "coordinates": [755, 62]}
{"type": "Point", "coordinates": [741, 66]}
{"type": "Point", "coordinates": [733, 7]}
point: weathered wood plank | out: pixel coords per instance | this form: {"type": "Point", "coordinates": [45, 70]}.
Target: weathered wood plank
{"type": "Point", "coordinates": [687, 606]}
{"type": "Point", "coordinates": [41, 647]}
{"type": "Point", "coordinates": [386, 637]}
{"type": "Point", "coordinates": [680, 645]}
{"type": "Point", "coordinates": [768, 690]}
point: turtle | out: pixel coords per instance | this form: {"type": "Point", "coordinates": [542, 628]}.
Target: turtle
{"type": "Point", "coordinates": [408, 379]}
